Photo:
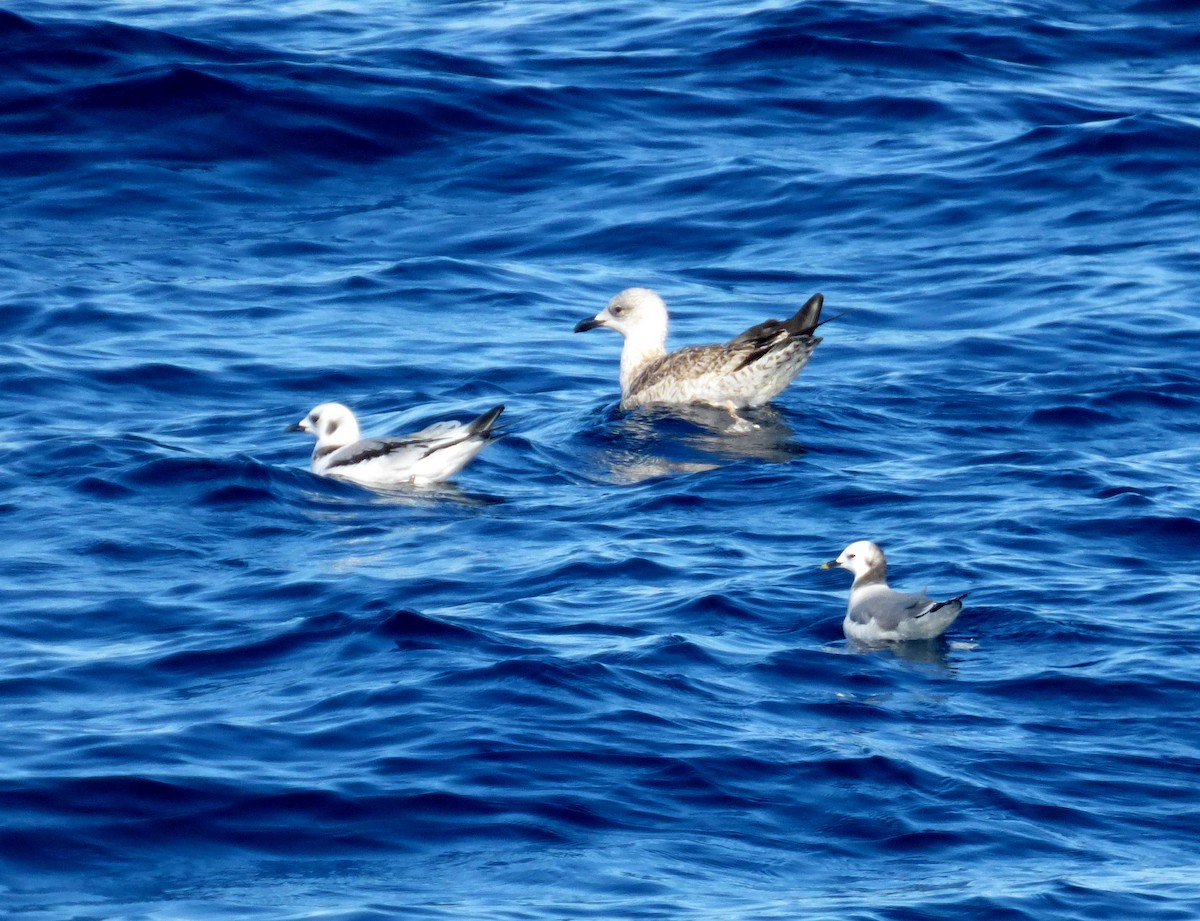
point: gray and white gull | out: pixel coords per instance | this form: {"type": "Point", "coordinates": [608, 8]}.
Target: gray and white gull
{"type": "Point", "coordinates": [748, 370]}
{"type": "Point", "coordinates": [876, 613]}
{"type": "Point", "coordinates": [432, 455]}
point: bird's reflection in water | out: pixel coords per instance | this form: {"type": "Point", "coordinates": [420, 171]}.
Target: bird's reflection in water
{"type": "Point", "coordinates": [652, 441]}
{"type": "Point", "coordinates": [370, 529]}
{"type": "Point", "coordinates": [434, 496]}
{"type": "Point", "coordinates": [340, 494]}
{"type": "Point", "coordinates": [936, 654]}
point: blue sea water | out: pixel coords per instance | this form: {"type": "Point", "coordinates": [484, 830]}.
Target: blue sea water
{"type": "Point", "coordinates": [601, 677]}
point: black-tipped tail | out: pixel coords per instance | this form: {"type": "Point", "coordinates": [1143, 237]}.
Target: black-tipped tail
{"type": "Point", "coordinates": [483, 425]}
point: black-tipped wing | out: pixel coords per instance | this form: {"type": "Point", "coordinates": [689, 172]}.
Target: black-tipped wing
{"type": "Point", "coordinates": [758, 340]}
{"type": "Point", "coordinates": [938, 605]}
{"type": "Point", "coordinates": [803, 322]}
{"type": "Point", "coordinates": [409, 449]}
{"type": "Point", "coordinates": [483, 425]}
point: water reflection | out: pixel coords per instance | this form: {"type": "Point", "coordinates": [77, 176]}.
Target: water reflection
{"type": "Point", "coordinates": [336, 495]}
{"type": "Point", "coordinates": [936, 653]}
{"type": "Point", "coordinates": [651, 442]}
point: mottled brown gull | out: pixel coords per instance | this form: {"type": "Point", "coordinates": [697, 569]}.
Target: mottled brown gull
{"type": "Point", "coordinates": [748, 370]}
{"type": "Point", "coordinates": [876, 613]}
{"type": "Point", "coordinates": [432, 455]}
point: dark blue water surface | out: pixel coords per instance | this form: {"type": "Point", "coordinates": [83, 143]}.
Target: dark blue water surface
{"type": "Point", "coordinates": [601, 677]}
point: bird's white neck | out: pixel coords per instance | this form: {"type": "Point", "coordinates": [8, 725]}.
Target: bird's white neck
{"type": "Point", "coordinates": [639, 351]}
{"type": "Point", "coordinates": [875, 577]}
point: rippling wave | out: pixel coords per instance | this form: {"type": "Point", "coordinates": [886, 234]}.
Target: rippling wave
{"type": "Point", "coordinates": [601, 675]}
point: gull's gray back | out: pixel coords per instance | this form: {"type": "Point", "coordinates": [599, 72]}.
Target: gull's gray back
{"type": "Point", "coordinates": [888, 609]}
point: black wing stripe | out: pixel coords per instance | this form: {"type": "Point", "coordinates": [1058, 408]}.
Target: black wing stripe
{"type": "Point", "coordinates": [377, 449]}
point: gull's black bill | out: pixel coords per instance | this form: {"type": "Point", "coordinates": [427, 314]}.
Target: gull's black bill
{"type": "Point", "coordinates": [584, 325]}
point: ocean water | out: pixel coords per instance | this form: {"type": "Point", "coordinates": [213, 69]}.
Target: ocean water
{"type": "Point", "coordinates": [601, 676]}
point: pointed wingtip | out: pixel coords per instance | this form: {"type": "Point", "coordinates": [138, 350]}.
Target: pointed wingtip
{"type": "Point", "coordinates": [807, 318]}
{"type": "Point", "coordinates": [484, 423]}
{"type": "Point", "coordinates": [949, 602]}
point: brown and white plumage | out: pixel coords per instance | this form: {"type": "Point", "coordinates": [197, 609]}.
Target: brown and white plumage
{"type": "Point", "coordinates": [748, 370]}
{"type": "Point", "coordinates": [432, 455]}
{"type": "Point", "coordinates": [877, 613]}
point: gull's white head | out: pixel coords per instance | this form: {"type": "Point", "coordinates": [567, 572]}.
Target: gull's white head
{"type": "Point", "coordinates": [640, 316]}
{"type": "Point", "coordinates": [332, 423]}
{"type": "Point", "coordinates": [636, 313]}
{"type": "Point", "coordinates": [864, 559]}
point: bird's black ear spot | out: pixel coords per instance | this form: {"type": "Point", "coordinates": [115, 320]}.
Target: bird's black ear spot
{"type": "Point", "coordinates": [333, 426]}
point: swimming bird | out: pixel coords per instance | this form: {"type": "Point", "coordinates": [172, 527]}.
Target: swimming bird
{"type": "Point", "coordinates": [432, 455]}
{"type": "Point", "coordinates": [748, 370]}
{"type": "Point", "coordinates": [876, 613]}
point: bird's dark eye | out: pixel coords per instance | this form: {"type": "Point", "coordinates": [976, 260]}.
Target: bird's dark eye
{"type": "Point", "coordinates": [849, 556]}
{"type": "Point", "coordinates": [616, 310]}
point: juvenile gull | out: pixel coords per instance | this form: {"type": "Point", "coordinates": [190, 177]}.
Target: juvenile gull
{"type": "Point", "coordinates": [431, 455]}
{"type": "Point", "coordinates": [878, 614]}
{"type": "Point", "coordinates": [748, 370]}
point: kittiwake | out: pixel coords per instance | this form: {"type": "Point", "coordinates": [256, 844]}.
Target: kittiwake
{"type": "Point", "coordinates": [432, 455]}
{"type": "Point", "coordinates": [748, 370]}
{"type": "Point", "coordinates": [876, 613]}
